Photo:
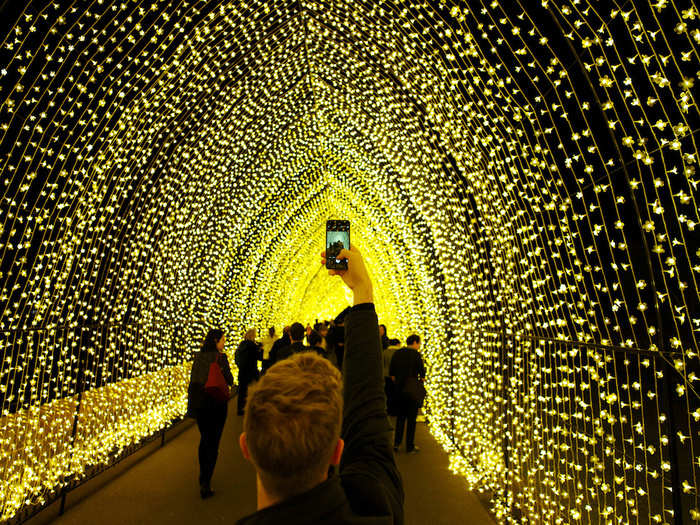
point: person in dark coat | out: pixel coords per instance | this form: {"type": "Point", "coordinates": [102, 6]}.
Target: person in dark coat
{"type": "Point", "coordinates": [406, 363]}
{"type": "Point", "coordinates": [336, 338]}
{"type": "Point", "coordinates": [210, 413]}
{"type": "Point", "coordinates": [282, 342]}
{"type": "Point", "coordinates": [389, 387]}
{"type": "Point", "coordinates": [314, 339]}
{"type": "Point", "coordinates": [246, 357]}
{"type": "Point", "coordinates": [296, 335]}
{"type": "Point", "coordinates": [302, 418]}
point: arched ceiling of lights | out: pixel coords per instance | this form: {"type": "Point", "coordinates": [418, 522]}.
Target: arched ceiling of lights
{"type": "Point", "coordinates": [507, 167]}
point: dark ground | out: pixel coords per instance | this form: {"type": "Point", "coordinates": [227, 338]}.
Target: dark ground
{"type": "Point", "coordinates": [158, 485]}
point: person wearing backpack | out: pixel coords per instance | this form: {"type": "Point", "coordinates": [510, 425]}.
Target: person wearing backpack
{"type": "Point", "coordinates": [407, 372]}
{"type": "Point", "coordinates": [207, 402]}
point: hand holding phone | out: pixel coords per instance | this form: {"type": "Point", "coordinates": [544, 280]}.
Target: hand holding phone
{"type": "Point", "coordinates": [356, 276]}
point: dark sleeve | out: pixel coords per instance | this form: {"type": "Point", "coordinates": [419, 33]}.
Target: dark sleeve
{"type": "Point", "coordinates": [249, 356]}
{"type": "Point", "coordinates": [421, 366]}
{"type": "Point", "coordinates": [368, 450]}
{"type": "Point", "coordinates": [226, 369]}
{"type": "Point", "coordinates": [392, 365]}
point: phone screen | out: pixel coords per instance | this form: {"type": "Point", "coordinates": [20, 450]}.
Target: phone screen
{"type": "Point", "coordinates": [337, 238]}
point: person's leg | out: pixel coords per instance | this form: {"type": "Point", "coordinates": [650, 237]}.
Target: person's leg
{"type": "Point", "coordinates": [398, 431]}
{"type": "Point", "coordinates": [242, 394]}
{"type": "Point", "coordinates": [201, 452]}
{"type": "Point", "coordinates": [207, 430]}
{"type": "Point", "coordinates": [217, 428]}
{"type": "Point", "coordinates": [400, 423]}
{"type": "Point", "coordinates": [411, 415]}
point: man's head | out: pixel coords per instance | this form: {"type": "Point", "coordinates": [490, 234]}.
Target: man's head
{"type": "Point", "coordinates": [297, 332]}
{"type": "Point", "coordinates": [292, 424]}
{"type": "Point", "coordinates": [413, 341]}
{"type": "Point", "coordinates": [314, 338]}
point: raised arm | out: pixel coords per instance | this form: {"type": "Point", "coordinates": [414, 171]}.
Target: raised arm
{"type": "Point", "coordinates": [368, 458]}
{"type": "Point", "coordinates": [366, 429]}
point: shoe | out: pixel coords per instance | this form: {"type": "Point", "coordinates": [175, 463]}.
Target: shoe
{"type": "Point", "coordinates": [205, 492]}
{"type": "Point", "coordinates": [414, 450]}
{"type": "Point", "coordinates": [396, 449]}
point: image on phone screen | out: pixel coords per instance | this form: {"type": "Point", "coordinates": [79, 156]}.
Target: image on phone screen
{"type": "Point", "coordinates": [337, 238]}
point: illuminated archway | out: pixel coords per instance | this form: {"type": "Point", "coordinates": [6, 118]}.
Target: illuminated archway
{"type": "Point", "coordinates": [521, 180]}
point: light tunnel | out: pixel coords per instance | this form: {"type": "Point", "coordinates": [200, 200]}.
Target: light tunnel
{"type": "Point", "coordinates": [520, 177]}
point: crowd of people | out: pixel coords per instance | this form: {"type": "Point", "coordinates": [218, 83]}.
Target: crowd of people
{"type": "Point", "coordinates": [310, 396]}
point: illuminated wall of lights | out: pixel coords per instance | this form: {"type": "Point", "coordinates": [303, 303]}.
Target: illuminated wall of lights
{"type": "Point", "coordinates": [521, 177]}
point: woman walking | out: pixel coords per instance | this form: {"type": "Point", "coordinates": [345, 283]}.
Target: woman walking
{"type": "Point", "coordinates": [209, 411]}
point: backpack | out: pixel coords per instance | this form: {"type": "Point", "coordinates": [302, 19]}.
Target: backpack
{"type": "Point", "coordinates": [414, 390]}
{"type": "Point", "coordinates": [216, 385]}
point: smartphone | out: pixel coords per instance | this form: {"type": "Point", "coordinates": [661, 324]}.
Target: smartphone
{"type": "Point", "coordinates": [337, 238]}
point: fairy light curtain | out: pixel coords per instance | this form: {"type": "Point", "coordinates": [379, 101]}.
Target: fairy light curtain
{"type": "Point", "coordinates": [521, 177]}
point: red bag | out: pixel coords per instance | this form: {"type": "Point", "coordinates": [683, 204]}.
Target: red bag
{"type": "Point", "coordinates": [216, 385]}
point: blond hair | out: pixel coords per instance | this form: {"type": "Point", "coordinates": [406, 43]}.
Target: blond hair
{"type": "Point", "coordinates": [292, 423]}
{"type": "Point", "coordinates": [250, 334]}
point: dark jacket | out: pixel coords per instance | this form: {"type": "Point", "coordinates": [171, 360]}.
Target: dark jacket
{"type": "Point", "coordinates": [246, 358]}
{"type": "Point", "coordinates": [320, 351]}
{"type": "Point", "coordinates": [292, 349]}
{"type": "Point", "coordinates": [336, 343]}
{"type": "Point", "coordinates": [277, 346]}
{"type": "Point", "coordinates": [198, 378]}
{"type": "Point", "coordinates": [406, 362]}
{"type": "Point", "coordinates": [368, 489]}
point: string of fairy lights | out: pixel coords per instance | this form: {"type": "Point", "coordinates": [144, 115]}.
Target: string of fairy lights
{"type": "Point", "coordinates": [520, 176]}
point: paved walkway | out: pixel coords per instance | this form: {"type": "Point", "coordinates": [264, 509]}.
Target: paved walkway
{"type": "Point", "coordinates": [159, 485]}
